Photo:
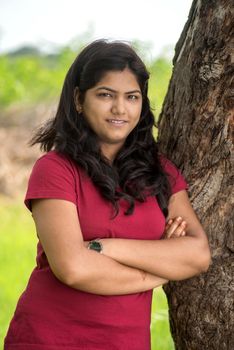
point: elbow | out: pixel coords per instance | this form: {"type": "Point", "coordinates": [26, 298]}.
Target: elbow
{"type": "Point", "coordinates": [205, 259]}
{"type": "Point", "coordinates": [72, 272]}
{"type": "Point", "coordinates": [70, 276]}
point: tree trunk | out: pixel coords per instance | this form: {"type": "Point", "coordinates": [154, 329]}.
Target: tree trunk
{"type": "Point", "coordinates": [196, 133]}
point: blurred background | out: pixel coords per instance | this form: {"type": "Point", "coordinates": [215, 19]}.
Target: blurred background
{"type": "Point", "coordinates": [38, 42]}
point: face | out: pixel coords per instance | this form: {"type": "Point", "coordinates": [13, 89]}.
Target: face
{"type": "Point", "coordinates": [113, 108]}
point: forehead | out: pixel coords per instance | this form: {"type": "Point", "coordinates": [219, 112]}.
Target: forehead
{"type": "Point", "coordinates": [122, 79]}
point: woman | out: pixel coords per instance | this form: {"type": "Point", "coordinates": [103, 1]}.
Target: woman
{"type": "Point", "coordinates": [103, 185]}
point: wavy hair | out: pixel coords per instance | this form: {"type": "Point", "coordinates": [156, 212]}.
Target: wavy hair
{"type": "Point", "coordinates": [136, 171]}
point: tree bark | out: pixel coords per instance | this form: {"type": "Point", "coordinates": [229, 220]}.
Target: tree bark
{"type": "Point", "coordinates": [196, 132]}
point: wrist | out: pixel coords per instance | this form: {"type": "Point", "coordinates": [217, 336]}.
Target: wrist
{"type": "Point", "coordinates": [96, 245]}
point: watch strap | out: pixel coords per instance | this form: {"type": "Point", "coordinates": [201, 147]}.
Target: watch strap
{"type": "Point", "coordinates": [96, 245]}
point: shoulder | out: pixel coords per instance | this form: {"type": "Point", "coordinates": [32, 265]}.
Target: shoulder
{"type": "Point", "coordinates": [54, 175]}
{"type": "Point", "coordinates": [175, 177]}
{"type": "Point", "coordinates": [54, 157]}
{"type": "Point", "coordinates": [52, 162]}
{"type": "Point", "coordinates": [168, 166]}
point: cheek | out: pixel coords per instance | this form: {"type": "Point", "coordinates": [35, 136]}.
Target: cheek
{"type": "Point", "coordinates": [90, 112]}
{"type": "Point", "coordinates": [137, 114]}
{"type": "Point", "coordinates": [97, 109]}
{"type": "Point", "coordinates": [138, 110]}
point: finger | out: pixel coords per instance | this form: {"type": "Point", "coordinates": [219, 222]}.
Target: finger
{"type": "Point", "coordinates": [168, 224]}
{"type": "Point", "coordinates": [180, 228]}
{"type": "Point", "coordinates": [170, 230]}
{"type": "Point", "coordinates": [178, 236]}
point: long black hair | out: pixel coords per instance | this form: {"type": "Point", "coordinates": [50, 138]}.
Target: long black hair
{"type": "Point", "coordinates": [136, 171]}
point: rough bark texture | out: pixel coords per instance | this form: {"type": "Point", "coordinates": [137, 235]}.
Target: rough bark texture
{"type": "Point", "coordinates": [196, 132]}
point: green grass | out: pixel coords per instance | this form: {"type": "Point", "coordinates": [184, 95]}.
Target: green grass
{"type": "Point", "coordinates": [17, 259]}
{"type": "Point", "coordinates": [160, 332]}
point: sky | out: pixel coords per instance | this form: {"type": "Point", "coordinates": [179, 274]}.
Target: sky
{"type": "Point", "coordinates": [51, 23]}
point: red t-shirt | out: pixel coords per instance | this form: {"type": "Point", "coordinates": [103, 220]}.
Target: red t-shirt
{"type": "Point", "coordinates": [52, 316]}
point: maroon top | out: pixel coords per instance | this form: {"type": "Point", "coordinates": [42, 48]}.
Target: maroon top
{"type": "Point", "coordinates": [52, 316]}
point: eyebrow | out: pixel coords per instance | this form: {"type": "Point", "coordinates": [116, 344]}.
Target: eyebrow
{"type": "Point", "coordinates": [112, 90]}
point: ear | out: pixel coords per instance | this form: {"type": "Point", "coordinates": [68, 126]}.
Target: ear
{"type": "Point", "coordinates": [76, 96]}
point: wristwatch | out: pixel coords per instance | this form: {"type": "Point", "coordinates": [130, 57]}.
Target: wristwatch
{"type": "Point", "coordinates": [95, 245]}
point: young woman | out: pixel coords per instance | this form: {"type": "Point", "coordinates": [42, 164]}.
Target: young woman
{"type": "Point", "coordinates": [100, 197]}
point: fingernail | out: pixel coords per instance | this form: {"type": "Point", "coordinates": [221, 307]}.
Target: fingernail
{"type": "Point", "coordinates": [179, 218]}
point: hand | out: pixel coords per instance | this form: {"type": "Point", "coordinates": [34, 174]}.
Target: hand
{"type": "Point", "coordinates": [175, 228]}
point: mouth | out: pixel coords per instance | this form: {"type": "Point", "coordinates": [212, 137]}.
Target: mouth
{"type": "Point", "coordinates": [116, 121]}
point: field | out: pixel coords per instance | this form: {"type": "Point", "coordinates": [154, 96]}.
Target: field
{"type": "Point", "coordinates": [18, 249]}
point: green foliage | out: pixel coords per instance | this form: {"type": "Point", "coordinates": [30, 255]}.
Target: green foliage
{"type": "Point", "coordinates": [17, 259]}
{"type": "Point", "coordinates": [160, 73]}
{"type": "Point", "coordinates": [33, 78]}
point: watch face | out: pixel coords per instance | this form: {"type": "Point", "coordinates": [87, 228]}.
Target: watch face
{"type": "Point", "coordinates": [95, 245]}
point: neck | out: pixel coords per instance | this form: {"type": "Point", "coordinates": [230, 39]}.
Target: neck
{"type": "Point", "coordinates": [110, 151]}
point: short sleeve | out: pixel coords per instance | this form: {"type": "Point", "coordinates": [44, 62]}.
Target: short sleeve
{"type": "Point", "coordinates": [176, 179]}
{"type": "Point", "coordinates": [52, 177]}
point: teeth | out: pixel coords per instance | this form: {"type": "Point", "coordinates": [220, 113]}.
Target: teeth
{"type": "Point", "coordinates": [116, 121]}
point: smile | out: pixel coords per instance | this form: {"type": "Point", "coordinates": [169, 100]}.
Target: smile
{"type": "Point", "coordinates": [116, 121]}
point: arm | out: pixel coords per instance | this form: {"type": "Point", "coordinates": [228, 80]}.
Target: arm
{"type": "Point", "coordinates": [174, 259]}
{"type": "Point", "coordinates": [59, 232]}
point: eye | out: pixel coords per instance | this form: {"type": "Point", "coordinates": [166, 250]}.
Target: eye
{"type": "Point", "coordinates": [104, 94]}
{"type": "Point", "coordinates": [133, 97]}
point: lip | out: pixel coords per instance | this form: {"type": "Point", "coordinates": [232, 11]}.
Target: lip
{"type": "Point", "coordinates": [116, 121]}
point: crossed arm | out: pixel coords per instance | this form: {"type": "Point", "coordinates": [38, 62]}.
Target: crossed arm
{"type": "Point", "coordinates": [173, 259]}
{"type": "Point", "coordinates": [127, 266]}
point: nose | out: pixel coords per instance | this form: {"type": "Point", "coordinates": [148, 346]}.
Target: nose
{"type": "Point", "coordinates": [118, 106]}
